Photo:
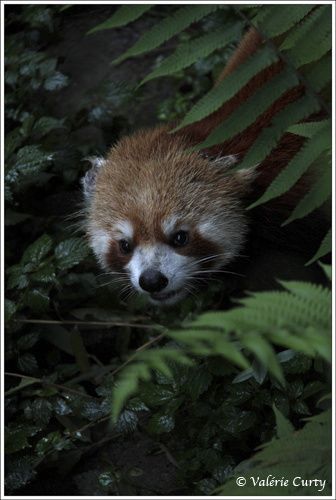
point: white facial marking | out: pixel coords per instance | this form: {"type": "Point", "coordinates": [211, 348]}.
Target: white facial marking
{"type": "Point", "coordinates": [123, 229]}
{"type": "Point", "coordinates": [100, 241]}
{"type": "Point", "coordinates": [172, 224]}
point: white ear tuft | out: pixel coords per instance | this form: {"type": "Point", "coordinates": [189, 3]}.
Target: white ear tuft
{"type": "Point", "coordinates": [89, 180]}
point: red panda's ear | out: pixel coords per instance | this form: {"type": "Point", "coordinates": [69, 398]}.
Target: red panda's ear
{"type": "Point", "coordinates": [245, 176]}
{"type": "Point", "coordinates": [89, 180]}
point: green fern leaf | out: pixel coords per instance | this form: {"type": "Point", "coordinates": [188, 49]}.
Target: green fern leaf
{"type": "Point", "coordinates": [327, 270]}
{"type": "Point", "coordinates": [323, 250]}
{"type": "Point", "coordinates": [128, 384]}
{"type": "Point", "coordinates": [291, 341]}
{"type": "Point", "coordinates": [309, 291]}
{"type": "Point", "coordinates": [316, 45]}
{"type": "Point", "coordinates": [167, 28]}
{"type": "Point", "coordinates": [307, 129]}
{"type": "Point", "coordinates": [315, 198]}
{"type": "Point", "coordinates": [313, 148]}
{"type": "Point", "coordinates": [194, 50]}
{"type": "Point", "coordinates": [299, 453]}
{"type": "Point", "coordinates": [278, 20]}
{"type": "Point", "coordinates": [265, 353]}
{"type": "Point", "coordinates": [252, 108]}
{"type": "Point", "coordinates": [271, 135]}
{"type": "Point", "coordinates": [319, 75]}
{"type": "Point", "coordinates": [124, 15]}
{"type": "Point", "coordinates": [283, 425]}
{"type": "Point", "coordinates": [230, 86]}
{"type": "Point", "coordinates": [300, 32]}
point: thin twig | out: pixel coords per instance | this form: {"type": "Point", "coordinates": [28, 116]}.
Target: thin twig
{"type": "Point", "coordinates": [88, 323]}
{"type": "Point", "coordinates": [140, 349]}
{"type": "Point", "coordinates": [36, 380]}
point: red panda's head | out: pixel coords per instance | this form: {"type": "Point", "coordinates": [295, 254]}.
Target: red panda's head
{"type": "Point", "coordinates": [163, 216]}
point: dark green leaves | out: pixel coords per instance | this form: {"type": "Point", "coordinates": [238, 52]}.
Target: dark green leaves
{"type": "Point", "coordinates": [124, 15]}
{"type": "Point", "coordinates": [167, 28]}
{"type": "Point", "coordinates": [251, 109]}
{"type": "Point", "coordinates": [313, 148]}
{"type": "Point", "coordinates": [230, 86]}
{"type": "Point", "coordinates": [70, 252]}
{"type": "Point", "coordinates": [193, 50]}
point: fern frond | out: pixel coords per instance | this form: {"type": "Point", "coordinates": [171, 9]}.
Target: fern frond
{"type": "Point", "coordinates": [314, 46]}
{"type": "Point", "coordinates": [279, 20]}
{"type": "Point", "coordinates": [293, 454]}
{"type": "Point", "coordinates": [307, 129]}
{"type": "Point", "coordinates": [194, 50]}
{"type": "Point", "coordinates": [300, 32]}
{"type": "Point", "coordinates": [251, 109]}
{"type": "Point", "coordinates": [319, 75]}
{"type": "Point", "coordinates": [319, 193]}
{"type": "Point", "coordinates": [124, 15]}
{"type": "Point", "coordinates": [312, 149]}
{"type": "Point", "coordinates": [230, 86]}
{"type": "Point", "coordinates": [323, 250]}
{"type": "Point", "coordinates": [309, 291]}
{"type": "Point", "coordinates": [167, 28]}
{"type": "Point", "coordinates": [270, 136]}
{"type": "Point", "coordinates": [265, 353]}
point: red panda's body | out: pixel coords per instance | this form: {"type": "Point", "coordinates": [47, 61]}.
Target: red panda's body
{"type": "Point", "coordinates": [163, 217]}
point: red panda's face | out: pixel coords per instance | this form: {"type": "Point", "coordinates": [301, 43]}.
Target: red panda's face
{"type": "Point", "coordinates": [160, 219]}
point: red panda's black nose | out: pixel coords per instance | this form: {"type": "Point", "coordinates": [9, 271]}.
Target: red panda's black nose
{"type": "Point", "coordinates": [153, 281]}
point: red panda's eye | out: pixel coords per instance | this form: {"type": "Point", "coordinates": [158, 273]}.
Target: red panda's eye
{"type": "Point", "coordinates": [180, 239]}
{"type": "Point", "coordinates": [125, 246]}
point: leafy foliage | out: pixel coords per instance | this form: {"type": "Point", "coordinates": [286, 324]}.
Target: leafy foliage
{"type": "Point", "coordinates": [204, 387]}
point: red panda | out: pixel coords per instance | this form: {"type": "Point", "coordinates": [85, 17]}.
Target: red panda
{"type": "Point", "coordinates": [162, 217]}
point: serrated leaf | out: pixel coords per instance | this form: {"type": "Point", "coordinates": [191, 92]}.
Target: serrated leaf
{"type": "Point", "coordinates": [27, 341]}
{"type": "Point", "coordinates": [40, 410]}
{"type": "Point", "coordinates": [198, 382]}
{"type": "Point", "coordinates": [124, 15]}
{"type": "Point", "coordinates": [45, 274]}
{"type": "Point", "coordinates": [30, 160]}
{"type": "Point", "coordinates": [46, 124]}
{"type": "Point", "coordinates": [167, 28]}
{"type": "Point", "coordinates": [37, 250]}
{"type": "Point", "coordinates": [70, 252]}
{"type": "Point", "coordinates": [160, 423]}
{"type": "Point", "coordinates": [20, 472]}
{"type": "Point", "coordinates": [323, 250]}
{"type": "Point", "coordinates": [57, 81]}
{"type": "Point", "coordinates": [298, 165]}
{"type": "Point", "coordinates": [227, 88]}
{"type": "Point", "coordinates": [52, 441]}
{"type": "Point", "coordinates": [127, 422]}
{"type": "Point", "coordinates": [27, 363]}
{"type": "Point", "coordinates": [194, 50]}
{"type": "Point", "coordinates": [10, 309]}
{"type": "Point", "coordinates": [16, 438]}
